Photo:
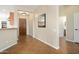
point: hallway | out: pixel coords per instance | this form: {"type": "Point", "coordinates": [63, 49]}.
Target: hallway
{"type": "Point", "coordinates": [35, 21]}
{"type": "Point", "coordinates": [40, 22]}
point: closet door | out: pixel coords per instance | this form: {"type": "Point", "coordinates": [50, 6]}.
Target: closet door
{"type": "Point", "coordinates": [76, 27]}
{"type": "Point", "coordinates": [70, 28]}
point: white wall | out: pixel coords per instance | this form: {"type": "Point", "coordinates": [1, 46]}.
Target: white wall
{"type": "Point", "coordinates": [50, 34]}
{"type": "Point", "coordinates": [8, 38]}
{"type": "Point", "coordinates": [68, 9]}
{"type": "Point", "coordinates": [30, 23]}
{"type": "Point", "coordinates": [27, 25]}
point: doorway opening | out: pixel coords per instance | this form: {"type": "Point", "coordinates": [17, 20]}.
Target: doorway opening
{"type": "Point", "coordinates": [62, 34]}
{"type": "Point", "coordinates": [62, 26]}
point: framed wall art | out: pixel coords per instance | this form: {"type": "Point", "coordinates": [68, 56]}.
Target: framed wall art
{"type": "Point", "coordinates": [42, 20]}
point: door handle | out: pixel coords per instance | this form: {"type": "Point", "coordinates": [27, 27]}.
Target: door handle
{"type": "Point", "coordinates": [76, 29]}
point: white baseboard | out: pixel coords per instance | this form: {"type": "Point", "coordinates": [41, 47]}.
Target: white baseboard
{"type": "Point", "coordinates": [70, 40]}
{"type": "Point", "coordinates": [10, 45]}
{"type": "Point", "coordinates": [48, 44]}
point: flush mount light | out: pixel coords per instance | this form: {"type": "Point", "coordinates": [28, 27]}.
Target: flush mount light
{"type": "Point", "coordinates": [27, 13]}
{"type": "Point", "coordinates": [20, 11]}
{"type": "Point", "coordinates": [23, 12]}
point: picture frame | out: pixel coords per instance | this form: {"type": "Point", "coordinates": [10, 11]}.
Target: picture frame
{"type": "Point", "coordinates": [42, 20]}
{"type": "Point", "coordinates": [4, 24]}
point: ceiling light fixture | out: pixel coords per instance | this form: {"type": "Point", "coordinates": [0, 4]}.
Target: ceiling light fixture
{"type": "Point", "coordinates": [24, 14]}
{"type": "Point", "coordinates": [27, 13]}
{"type": "Point", "coordinates": [20, 11]}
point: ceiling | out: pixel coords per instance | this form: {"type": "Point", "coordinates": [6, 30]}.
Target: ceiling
{"type": "Point", "coordinates": [29, 8]}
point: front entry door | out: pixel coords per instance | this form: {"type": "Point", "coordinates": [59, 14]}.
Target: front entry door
{"type": "Point", "coordinates": [22, 27]}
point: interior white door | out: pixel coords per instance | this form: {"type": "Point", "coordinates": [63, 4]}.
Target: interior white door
{"type": "Point", "coordinates": [76, 27]}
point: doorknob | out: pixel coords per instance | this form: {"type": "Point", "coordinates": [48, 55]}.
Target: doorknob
{"type": "Point", "coordinates": [76, 29]}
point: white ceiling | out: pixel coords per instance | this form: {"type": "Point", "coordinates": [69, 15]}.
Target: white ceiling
{"type": "Point", "coordinates": [29, 8]}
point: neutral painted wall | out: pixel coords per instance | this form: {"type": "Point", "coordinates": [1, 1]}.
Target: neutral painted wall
{"type": "Point", "coordinates": [8, 38]}
{"type": "Point", "coordinates": [27, 24]}
{"type": "Point", "coordinates": [65, 10]}
{"type": "Point", "coordinates": [50, 34]}
{"type": "Point", "coordinates": [30, 23]}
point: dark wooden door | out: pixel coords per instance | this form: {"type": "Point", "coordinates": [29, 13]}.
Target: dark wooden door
{"type": "Point", "coordinates": [22, 27]}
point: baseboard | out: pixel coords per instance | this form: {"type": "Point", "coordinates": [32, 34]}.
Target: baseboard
{"type": "Point", "coordinates": [48, 44]}
{"type": "Point", "coordinates": [70, 40]}
{"type": "Point", "coordinates": [10, 45]}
